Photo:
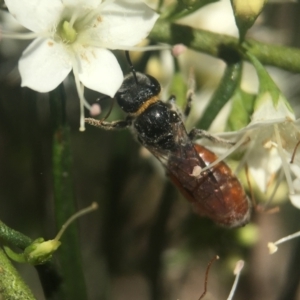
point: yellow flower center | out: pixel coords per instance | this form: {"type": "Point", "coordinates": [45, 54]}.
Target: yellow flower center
{"type": "Point", "coordinates": [67, 32]}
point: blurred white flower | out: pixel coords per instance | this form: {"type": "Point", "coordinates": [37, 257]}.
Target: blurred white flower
{"type": "Point", "coordinates": [273, 134]}
{"type": "Point", "coordinates": [270, 140]}
{"type": "Point", "coordinates": [75, 35]}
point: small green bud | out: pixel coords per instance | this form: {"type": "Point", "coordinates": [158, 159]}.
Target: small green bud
{"type": "Point", "coordinates": [40, 251]}
{"type": "Point", "coordinates": [245, 13]}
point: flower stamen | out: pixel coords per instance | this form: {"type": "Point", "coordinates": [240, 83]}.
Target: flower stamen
{"type": "Point", "coordinates": [294, 153]}
{"type": "Point", "coordinates": [80, 91]}
{"type": "Point", "coordinates": [73, 18]}
{"type": "Point", "coordinates": [273, 246]}
{"type": "Point", "coordinates": [237, 272]}
{"type": "Point", "coordinates": [279, 179]}
{"type": "Point", "coordinates": [20, 36]}
{"type": "Point", "coordinates": [285, 165]}
{"type": "Point", "coordinates": [231, 150]}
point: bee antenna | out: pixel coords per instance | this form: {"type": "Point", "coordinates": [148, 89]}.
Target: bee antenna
{"type": "Point", "coordinates": [131, 66]}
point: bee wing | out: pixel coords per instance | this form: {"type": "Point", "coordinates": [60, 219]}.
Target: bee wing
{"type": "Point", "coordinates": [184, 149]}
{"type": "Point", "coordinates": [184, 165]}
{"type": "Point", "coordinates": [183, 158]}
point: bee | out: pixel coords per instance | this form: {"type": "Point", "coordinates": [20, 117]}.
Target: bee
{"type": "Point", "coordinates": [216, 192]}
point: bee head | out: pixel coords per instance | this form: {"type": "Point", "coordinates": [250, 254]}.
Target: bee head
{"type": "Point", "coordinates": [136, 89]}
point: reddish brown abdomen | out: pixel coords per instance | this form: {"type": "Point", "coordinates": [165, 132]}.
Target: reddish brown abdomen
{"type": "Point", "coordinates": [216, 194]}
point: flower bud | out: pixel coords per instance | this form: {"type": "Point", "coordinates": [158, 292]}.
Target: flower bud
{"type": "Point", "coordinates": [245, 13]}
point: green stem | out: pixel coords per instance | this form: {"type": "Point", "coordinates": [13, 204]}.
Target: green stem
{"type": "Point", "coordinates": [222, 94]}
{"type": "Point", "coordinates": [48, 275]}
{"type": "Point", "coordinates": [70, 259]}
{"type": "Point", "coordinates": [13, 237]}
{"type": "Point", "coordinates": [212, 43]}
{"type": "Point", "coordinates": [12, 287]}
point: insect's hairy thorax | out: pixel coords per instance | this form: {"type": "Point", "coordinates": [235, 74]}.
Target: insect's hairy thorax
{"type": "Point", "coordinates": [155, 126]}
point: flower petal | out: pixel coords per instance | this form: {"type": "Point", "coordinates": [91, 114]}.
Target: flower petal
{"type": "Point", "coordinates": [84, 3]}
{"type": "Point", "coordinates": [267, 110]}
{"type": "Point", "coordinates": [295, 199]}
{"type": "Point", "coordinates": [36, 15]}
{"type": "Point", "coordinates": [263, 164]}
{"type": "Point", "coordinates": [99, 70]}
{"type": "Point", "coordinates": [44, 65]}
{"type": "Point", "coordinates": [123, 23]}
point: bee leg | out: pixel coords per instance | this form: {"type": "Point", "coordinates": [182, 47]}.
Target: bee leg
{"type": "Point", "coordinates": [172, 99]}
{"type": "Point", "coordinates": [189, 100]}
{"type": "Point", "coordinates": [171, 102]}
{"type": "Point", "coordinates": [200, 133]}
{"type": "Point", "coordinates": [190, 93]}
{"type": "Point", "coordinates": [120, 124]}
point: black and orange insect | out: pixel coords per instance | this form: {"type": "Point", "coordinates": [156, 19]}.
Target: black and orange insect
{"type": "Point", "coordinates": [216, 192]}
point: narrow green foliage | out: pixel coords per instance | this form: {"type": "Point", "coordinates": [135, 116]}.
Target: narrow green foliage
{"type": "Point", "coordinates": [183, 8]}
{"type": "Point", "coordinates": [178, 87]}
{"type": "Point", "coordinates": [13, 237]}
{"type": "Point", "coordinates": [70, 260]}
{"type": "Point", "coordinates": [229, 82]}
{"type": "Point", "coordinates": [266, 84]}
{"type": "Point", "coordinates": [241, 110]}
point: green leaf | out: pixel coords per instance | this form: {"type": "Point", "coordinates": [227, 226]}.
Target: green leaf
{"type": "Point", "coordinates": [266, 84]}
{"type": "Point", "coordinates": [184, 8]}
{"type": "Point", "coordinates": [241, 110]}
{"type": "Point", "coordinates": [178, 87]}
{"type": "Point", "coordinates": [229, 82]}
{"type": "Point", "coordinates": [70, 258]}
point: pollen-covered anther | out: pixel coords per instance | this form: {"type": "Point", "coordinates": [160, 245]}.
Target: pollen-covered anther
{"type": "Point", "coordinates": [269, 144]}
{"type": "Point", "coordinates": [272, 248]}
{"type": "Point", "coordinates": [196, 171]}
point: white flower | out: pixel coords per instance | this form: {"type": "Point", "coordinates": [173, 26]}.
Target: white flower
{"type": "Point", "coordinates": [270, 140]}
{"type": "Point", "coordinates": [273, 133]}
{"type": "Point", "coordinates": [75, 35]}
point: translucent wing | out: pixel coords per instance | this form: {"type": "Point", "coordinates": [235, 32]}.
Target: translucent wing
{"type": "Point", "coordinates": [216, 193]}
